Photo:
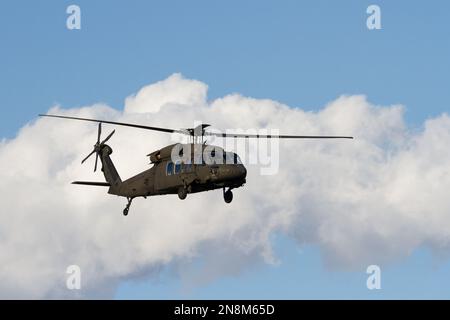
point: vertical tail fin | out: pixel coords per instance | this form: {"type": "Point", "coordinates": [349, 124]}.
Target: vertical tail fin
{"type": "Point", "coordinates": [109, 170]}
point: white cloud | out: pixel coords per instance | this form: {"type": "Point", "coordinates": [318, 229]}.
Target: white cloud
{"type": "Point", "coordinates": [174, 90]}
{"type": "Point", "coordinates": [370, 200]}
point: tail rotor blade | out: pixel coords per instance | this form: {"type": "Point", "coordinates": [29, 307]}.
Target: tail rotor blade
{"type": "Point", "coordinates": [90, 154]}
{"type": "Point", "coordinates": [96, 160]}
{"type": "Point", "coordinates": [99, 132]}
{"type": "Point", "coordinates": [108, 137]}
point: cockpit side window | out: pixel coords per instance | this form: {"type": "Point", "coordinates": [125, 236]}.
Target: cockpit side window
{"type": "Point", "coordinates": [231, 158]}
{"type": "Point", "coordinates": [228, 158]}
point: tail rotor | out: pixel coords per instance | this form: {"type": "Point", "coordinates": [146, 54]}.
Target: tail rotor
{"type": "Point", "coordinates": [98, 146]}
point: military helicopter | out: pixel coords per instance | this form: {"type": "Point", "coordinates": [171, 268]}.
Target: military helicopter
{"type": "Point", "coordinates": [178, 168]}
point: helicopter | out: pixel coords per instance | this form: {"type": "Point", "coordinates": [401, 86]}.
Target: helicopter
{"type": "Point", "coordinates": [177, 168]}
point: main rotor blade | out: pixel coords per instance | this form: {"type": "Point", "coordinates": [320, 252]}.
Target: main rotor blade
{"type": "Point", "coordinates": [108, 137]}
{"type": "Point", "coordinates": [269, 136]}
{"type": "Point", "coordinates": [115, 123]}
{"type": "Point", "coordinates": [99, 132]}
{"type": "Point", "coordinates": [187, 132]}
{"type": "Point", "coordinates": [90, 154]}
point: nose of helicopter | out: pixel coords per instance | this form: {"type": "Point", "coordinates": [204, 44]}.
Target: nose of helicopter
{"type": "Point", "coordinates": [240, 172]}
{"type": "Point", "coordinates": [244, 172]}
{"type": "Point", "coordinates": [233, 172]}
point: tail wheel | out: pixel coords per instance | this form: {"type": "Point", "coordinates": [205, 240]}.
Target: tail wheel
{"type": "Point", "coordinates": [228, 196]}
{"type": "Point", "coordinates": [182, 193]}
{"type": "Point", "coordinates": [127, 208]}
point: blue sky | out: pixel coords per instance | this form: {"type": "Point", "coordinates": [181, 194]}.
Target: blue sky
{"type": "Point", "coordinates": [302, 53]}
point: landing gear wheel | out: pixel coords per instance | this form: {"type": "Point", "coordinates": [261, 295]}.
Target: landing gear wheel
{"type": "Point", "coordinates": [127, 208]}
{"type": "Point", "coordinates": [228, 196]}
{"type": "Point", "coordinates": [182, 193]}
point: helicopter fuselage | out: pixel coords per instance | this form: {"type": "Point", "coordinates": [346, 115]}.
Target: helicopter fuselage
{"type": "Point", "coordinates": [177, 177]}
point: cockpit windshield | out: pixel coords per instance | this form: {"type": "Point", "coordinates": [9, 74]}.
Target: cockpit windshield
{"type": "Point", "coordinates": [237, 159]}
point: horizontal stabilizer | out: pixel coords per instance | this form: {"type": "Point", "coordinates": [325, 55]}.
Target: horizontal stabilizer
{"type": "Point", "coordinates": [88, 183]}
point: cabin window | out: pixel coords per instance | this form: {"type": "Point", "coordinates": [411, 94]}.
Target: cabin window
{"type": "Point", "coordinates": [169, 168]}
{"type": "Point", "coordinates": [177, 168]}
